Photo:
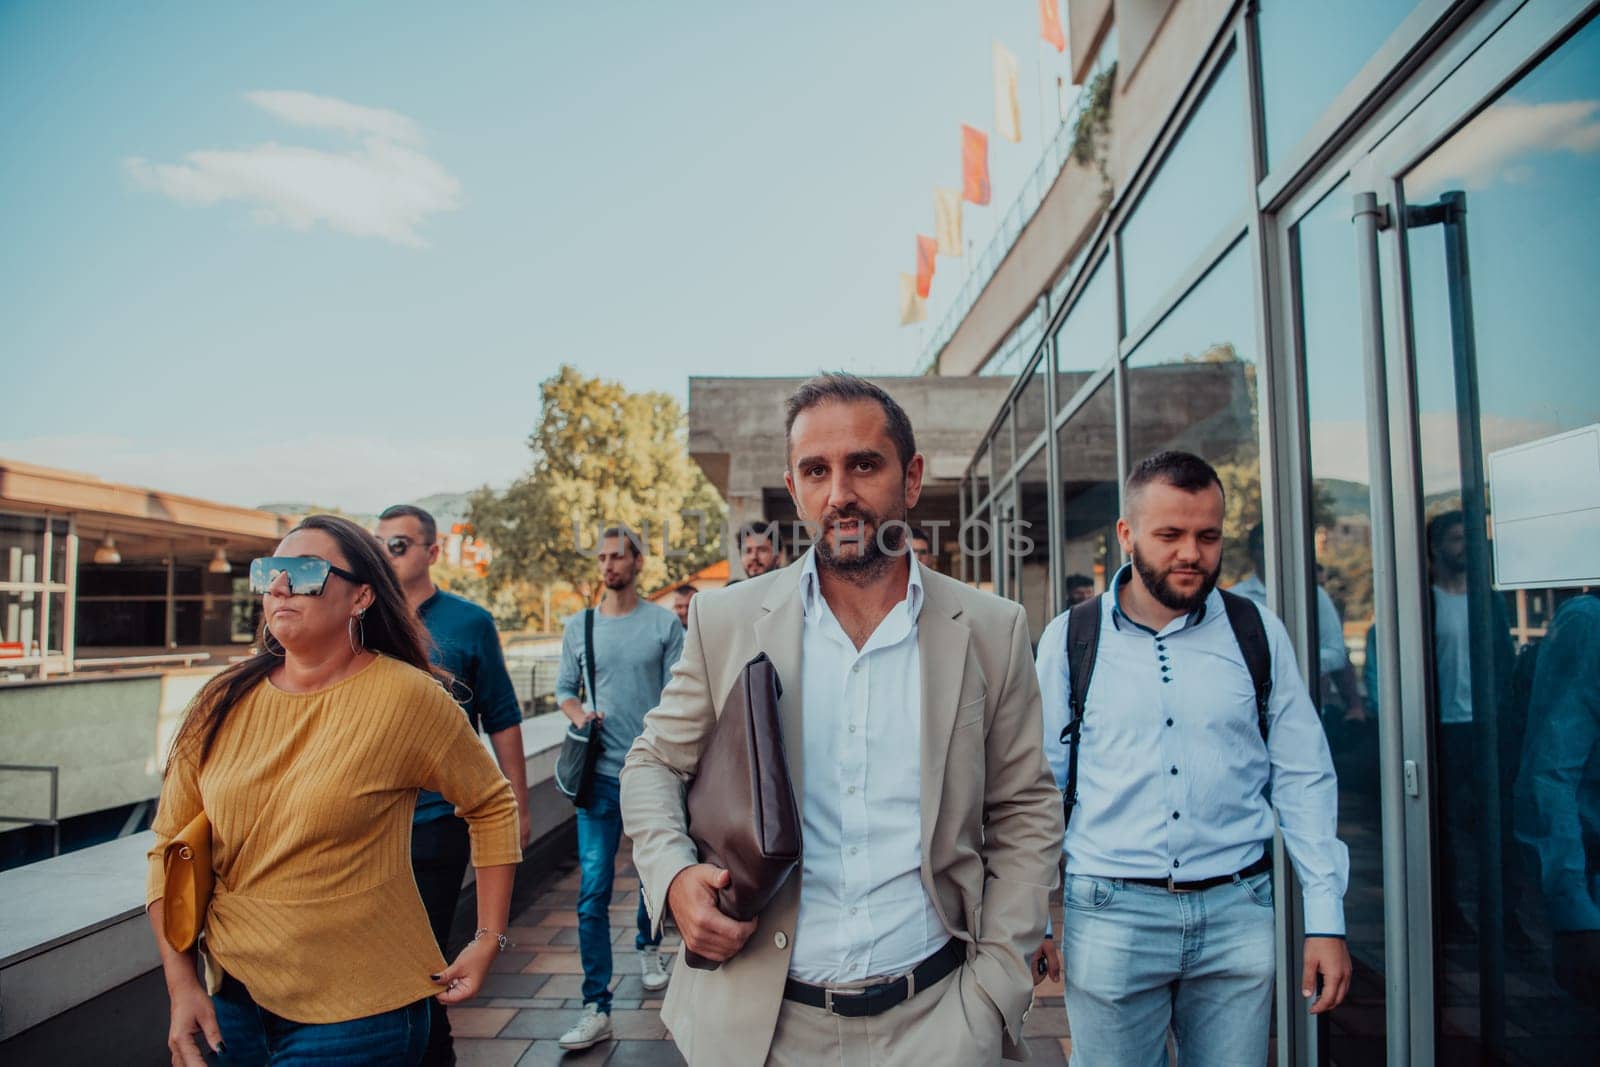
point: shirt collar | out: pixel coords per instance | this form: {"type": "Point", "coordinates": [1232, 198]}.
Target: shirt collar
{"type": "Point", "coordinates": [1119, 617]}
{"type": "Point", "coordinates": [811, 588]}
{"type": "Point", "coordinates": [429, 604]}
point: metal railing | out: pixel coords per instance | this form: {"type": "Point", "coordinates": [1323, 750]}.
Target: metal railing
{"type": "Point", "coordinates": [55, 807]}
{"type": "Point", "coordinates": [1012, 223]}
{"type": "Point", "coordinates": [186, 659]}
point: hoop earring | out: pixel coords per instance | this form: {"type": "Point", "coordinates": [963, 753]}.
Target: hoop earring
{"type": "Point", "coordinates": [268, 641]}
{"type": "Point", "coordinates": [357, 626]}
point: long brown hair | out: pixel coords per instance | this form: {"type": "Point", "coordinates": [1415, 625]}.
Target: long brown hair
{"type": "Point", "coordinates": [389, 626]}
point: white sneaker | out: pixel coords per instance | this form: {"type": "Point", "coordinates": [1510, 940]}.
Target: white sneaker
{"type": "Point", "coordinates": [656, 968]}
{"type": "Point", "coordinates": [593, 1027]}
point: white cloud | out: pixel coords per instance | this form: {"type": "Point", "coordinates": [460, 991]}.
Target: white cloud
{"type": "Point", "coordinates": [327, 113]}
{"type": "Point", "coordinates": [1496, 145]}
{"type": "Point", "coordinates": [385, 187]}
{"type": "Point", "coordinates": [356, 473]}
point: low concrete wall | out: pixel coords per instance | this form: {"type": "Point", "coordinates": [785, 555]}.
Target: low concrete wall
{"type": "Point", "coordinates": [108, 735]}
{"type": "Point", "coordinates": [80, 980]}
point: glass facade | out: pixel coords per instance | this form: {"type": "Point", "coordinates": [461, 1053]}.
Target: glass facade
{"type": "Point", "coordinates": [1431, 444]}
{"type": "Point", "coordinates": [1193, 385]}
{"type": "Point", "coordinates": [1339, 551]}
{"type": "Point", "coordinates": [1513, 690]}
{"type": "Point", "coordinates": [1198, 192]}
{"type": "Point", "coordinates": [1309, 52]}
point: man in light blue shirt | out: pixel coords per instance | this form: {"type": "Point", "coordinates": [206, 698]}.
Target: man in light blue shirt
{"type": "Point", "coordinates": [1168, 908]}
{"type": "Point", "coordinates": [635, 644]}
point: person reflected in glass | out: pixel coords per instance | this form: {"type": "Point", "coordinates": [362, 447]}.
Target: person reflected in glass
{"type": "Point", "coordinates": [1333, 658]}
{"type": "Point", "coordinates": [1558, 793]}
{"type": "Point", "coordinates": [1450, 593]}
{"type": "Point", "coordinates": [307, 759]}
{"type": "Point", "coordinates": [1080, 587]}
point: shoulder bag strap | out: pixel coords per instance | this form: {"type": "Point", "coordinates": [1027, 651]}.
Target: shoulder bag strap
{"type": "Point", "coordinates": [588, 655]}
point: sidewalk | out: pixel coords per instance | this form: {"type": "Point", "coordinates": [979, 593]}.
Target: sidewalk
{"type": "Point", "coordinates": [533, 996]}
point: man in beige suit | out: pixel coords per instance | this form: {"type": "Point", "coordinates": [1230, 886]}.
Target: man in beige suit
{"type": "Point", "coordinates": [911, 720]}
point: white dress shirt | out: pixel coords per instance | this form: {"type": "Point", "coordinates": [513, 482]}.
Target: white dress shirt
{"type": "Point", "coordinates": [863, 909]}
{"type": "Point", "coordinates": [1173, 777]}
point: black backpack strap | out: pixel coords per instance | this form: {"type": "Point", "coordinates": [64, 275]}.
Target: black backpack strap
{"type": "Point", "coordinates": [588, 653]}
{"type": "Point", "coordinates": [1248, 631]}
{"type": "Point", "coordinates": [1083, 642]}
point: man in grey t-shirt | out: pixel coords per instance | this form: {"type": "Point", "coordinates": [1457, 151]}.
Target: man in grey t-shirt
{"type": "Point", "coordinates": [636, 644]}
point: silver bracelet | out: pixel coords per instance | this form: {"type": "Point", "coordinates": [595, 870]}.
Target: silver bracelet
{"type": "Point", "coordinates": [501, 939]}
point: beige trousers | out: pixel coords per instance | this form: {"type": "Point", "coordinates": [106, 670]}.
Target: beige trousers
{"type": "Point", "coordinates": [950, 1022]}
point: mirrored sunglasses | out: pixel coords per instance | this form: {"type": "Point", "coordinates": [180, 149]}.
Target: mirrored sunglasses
{"type": "Point", "coordinates": [397, 545]}
{"type": "Point", "coordinates": [307, 574]}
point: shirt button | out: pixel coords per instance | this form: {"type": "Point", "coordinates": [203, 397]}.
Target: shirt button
{"type": "Point", "coordinates": [851, 790]}
{"type": "Point", "coordinates": [1165, 668]}
{"type": "Point", "coordinates": [1169, 722]}
{"type": "Point", "coordinates": [852, 727]}
{"type": "Point", "coordinates": [1174, 815]}
{"type": "Point", "coordinates": [1166, 677]}
{"type": "Point", "coordinates": [1177, 863]}
{"type": "Point", "coordinates": [853, 910]}
{"type": "Point", "coordinates": [854, 850]}
{"type": "Point", "coordinates": [780, 939]}
{"type": "Point", "coordinates": [1174, 770]}
{"type": "Point", "coordinates": [856, 669]}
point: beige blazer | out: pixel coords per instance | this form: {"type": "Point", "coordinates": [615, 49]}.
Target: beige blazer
{"type": "Point", "coordinates": [991, 815]}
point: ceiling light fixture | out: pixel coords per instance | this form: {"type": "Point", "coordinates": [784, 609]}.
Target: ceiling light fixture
{"type": "Point", "coordinates": [219, 562]}
{"type": "Point", "coordinates": [107, 552]}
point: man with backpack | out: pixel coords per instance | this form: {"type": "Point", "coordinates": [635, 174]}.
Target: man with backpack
{"type": "Point", "coordinates": [1177, 725]}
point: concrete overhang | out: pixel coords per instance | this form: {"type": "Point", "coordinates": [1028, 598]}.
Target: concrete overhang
{"type": "Point", "coordinates": [132, 512]}
{"type": "Point", "coordinates": [736, 425]}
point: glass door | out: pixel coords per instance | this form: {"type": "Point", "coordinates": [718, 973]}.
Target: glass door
{"type": "Point", "coordinates": [1481, 209]}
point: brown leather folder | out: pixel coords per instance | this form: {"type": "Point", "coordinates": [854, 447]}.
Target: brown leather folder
{"type": "Point", "coordinates": [742, 810]}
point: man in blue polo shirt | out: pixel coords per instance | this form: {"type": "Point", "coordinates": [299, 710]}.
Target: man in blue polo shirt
{"type": "Point", "coordinates": [466, 645]}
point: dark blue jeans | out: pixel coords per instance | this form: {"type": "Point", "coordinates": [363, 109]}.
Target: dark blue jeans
{"type": "Point", "coordinates": [599, 833]}
{"type": "Point", "coordinates": [254, 1037]}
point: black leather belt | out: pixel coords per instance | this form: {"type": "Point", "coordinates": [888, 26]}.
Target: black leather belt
{"type": "Point", "coordinates": [1260, 865]}
{"type": "Point", "coordinates": [876, 999]}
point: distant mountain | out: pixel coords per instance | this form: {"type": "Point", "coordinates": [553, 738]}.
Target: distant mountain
{"type": "Point", "coordinates": [447, 509]}
{"type": "Point", "coordinates": [1347, 498]}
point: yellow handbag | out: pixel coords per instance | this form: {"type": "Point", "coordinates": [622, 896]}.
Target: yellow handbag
{"type": "Point", "coordinates": [189, 880]}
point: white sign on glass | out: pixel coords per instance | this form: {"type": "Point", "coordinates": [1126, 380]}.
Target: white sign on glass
{"type": "Point", "coordinates": [1545, 497]}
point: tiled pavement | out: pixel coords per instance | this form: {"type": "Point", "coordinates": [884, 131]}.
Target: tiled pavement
{"type": "Point", "coordinates": [533, 996]}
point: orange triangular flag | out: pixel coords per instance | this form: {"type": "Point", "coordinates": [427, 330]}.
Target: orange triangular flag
{"type": "Point", "coordinates": [1050, 25]}
{"type": "Point", "coordinates": [974, 166]}
{"type": "Point", "coordinates": [1007, 109]}
{"type": "Point", "coordinates": [912, 306]}
{"type": "Point", "coordinates": [927, 248]}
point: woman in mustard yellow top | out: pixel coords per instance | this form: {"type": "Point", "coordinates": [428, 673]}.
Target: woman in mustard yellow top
{"type": "Point", "coordinates": [307, 758]}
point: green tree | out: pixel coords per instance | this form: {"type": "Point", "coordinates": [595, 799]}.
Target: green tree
{"type": "Point", "coordinates": [601, 455]}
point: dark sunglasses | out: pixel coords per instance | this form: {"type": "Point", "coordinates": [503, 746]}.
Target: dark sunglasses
{"type": "Point", "coordinates": [307, 574]}
{"type": "Point", "coordinates": [398, 545]}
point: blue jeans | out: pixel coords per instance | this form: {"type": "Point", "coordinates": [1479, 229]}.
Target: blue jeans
{"type": "Point", "coordinates": [1138, 959]}
{"type": "Point", "coordinates": [599, 833]}
{"type": "Point", "coordinates": [254, 1037]}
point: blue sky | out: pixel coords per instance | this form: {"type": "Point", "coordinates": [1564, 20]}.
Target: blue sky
{"type": "Point", "coordinates": [205, 293]}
